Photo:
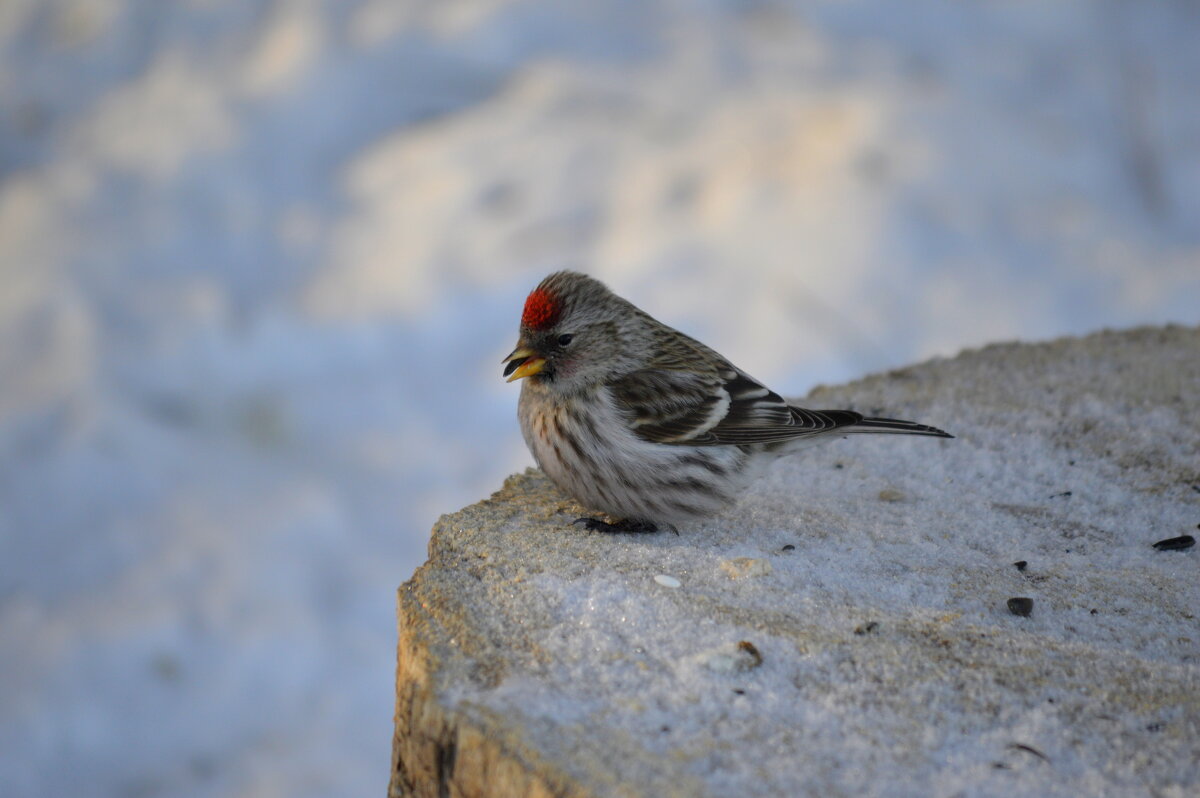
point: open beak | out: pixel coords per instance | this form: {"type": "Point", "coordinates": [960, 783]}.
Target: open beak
{"type": "Point", "coordinates": [522, 363]}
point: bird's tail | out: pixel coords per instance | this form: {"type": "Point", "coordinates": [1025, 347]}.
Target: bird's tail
{"type": "Point", "coordinates": [892, 426]}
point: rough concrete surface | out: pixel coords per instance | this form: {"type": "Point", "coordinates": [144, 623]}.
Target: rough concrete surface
{"type": "Point", "coordinates": [846, 629]}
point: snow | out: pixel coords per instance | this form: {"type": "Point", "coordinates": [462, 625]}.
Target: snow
{"type": "Point", "coordinates": [847, 629]}
{"type": "Point", "coordinates": [261, 261]}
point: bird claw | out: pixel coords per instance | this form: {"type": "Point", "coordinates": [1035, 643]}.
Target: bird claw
{"type": "Point", "coordinates": [626, 525]}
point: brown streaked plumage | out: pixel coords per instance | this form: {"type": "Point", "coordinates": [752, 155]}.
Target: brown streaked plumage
{"type": "Point", "coordinates": [638, 421]}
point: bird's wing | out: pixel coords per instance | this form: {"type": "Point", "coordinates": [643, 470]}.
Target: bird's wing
{"type": "Point", "coordinates": [723, 408]}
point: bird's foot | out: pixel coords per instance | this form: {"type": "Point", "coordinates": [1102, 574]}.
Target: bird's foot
{"type": "Point", "coordinates": [626, 525]}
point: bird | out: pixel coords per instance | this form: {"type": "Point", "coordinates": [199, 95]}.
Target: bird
{"type": "Point", "coordinates": [643, 424]}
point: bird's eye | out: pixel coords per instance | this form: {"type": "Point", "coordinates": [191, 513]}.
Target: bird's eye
{"type": "Point", "coordinates": [565, 339]}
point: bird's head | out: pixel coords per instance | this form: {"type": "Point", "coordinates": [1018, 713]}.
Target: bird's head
{"type": "Point", "coordinates": [574, 332]}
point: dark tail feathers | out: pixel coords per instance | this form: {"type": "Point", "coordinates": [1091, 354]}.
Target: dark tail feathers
{"type": "Point", "coordinates": [891, 426]}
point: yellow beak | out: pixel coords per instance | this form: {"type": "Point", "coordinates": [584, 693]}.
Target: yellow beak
{"type": "Point", "coordinates": [522, 363]}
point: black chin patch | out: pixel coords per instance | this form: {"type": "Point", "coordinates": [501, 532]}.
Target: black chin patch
{"type": "Point", "coordinates": [513, 365]}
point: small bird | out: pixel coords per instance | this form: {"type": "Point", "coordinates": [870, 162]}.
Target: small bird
{"type": "Point", "coordinates": [640, 422]}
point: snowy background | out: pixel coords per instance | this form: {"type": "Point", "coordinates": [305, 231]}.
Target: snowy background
{"type": "Point", "coordinates": [259, 262]}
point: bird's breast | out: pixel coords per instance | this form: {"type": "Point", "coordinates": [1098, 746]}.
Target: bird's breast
{"type": "Point", "coordinates": [587, 447]}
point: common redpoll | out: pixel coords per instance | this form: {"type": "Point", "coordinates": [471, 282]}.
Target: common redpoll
{"type": "Point", "coordinates": [642, 423]}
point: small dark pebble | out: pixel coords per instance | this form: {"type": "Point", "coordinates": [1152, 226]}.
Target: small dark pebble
{"type": "Point", "coordinates": [1020, 564]}
{"type": "Point", "coordinates": [1154, 727]}
{"type": "Point", "coordinates": [1066, 494]}
{"type": "Point", "coordinates": [1070, 462]}
{"type": "Point", "coordinates": [1000, 766]}
{"type": "Point", "coordinates": [665, 729]}
{"type": "Point", "coordinates": [1176, 544]}
{"type": "Point", "coordinates": [866, 628]}
{"type": "Point", "coordinates": [1020, 606]}
{"type": "Point", "coordinates": [838, 465]}
{"type": "Point", "coordinates": [752, 650]}
{"type": "Point", "coordinates": [788, 547]}
{"type": "Point", "coordinates": [1095, 612]}
{"type": "Point", "coordinates": [739, 691]}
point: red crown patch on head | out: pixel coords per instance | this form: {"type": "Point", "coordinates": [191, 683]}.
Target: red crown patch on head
{"type": "Point", "coordinates": [542, 310]}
